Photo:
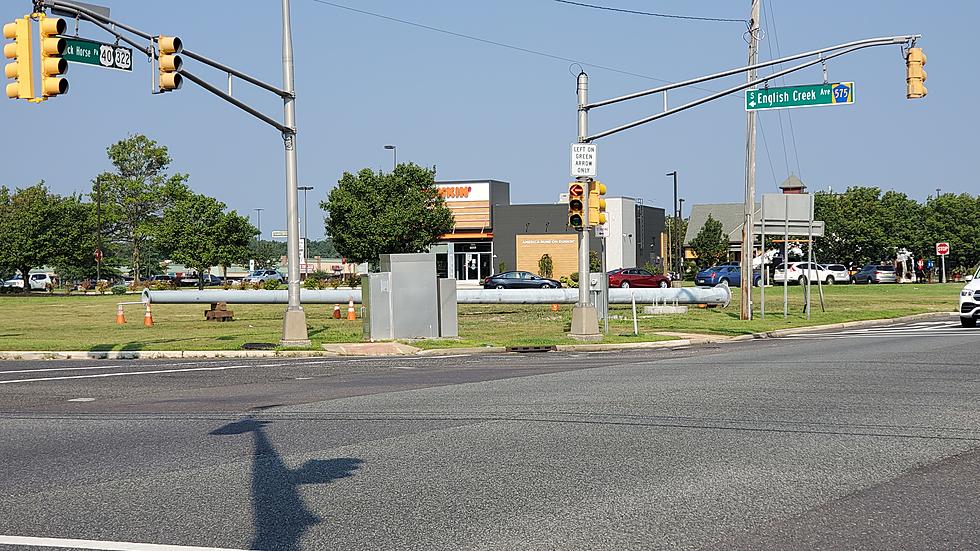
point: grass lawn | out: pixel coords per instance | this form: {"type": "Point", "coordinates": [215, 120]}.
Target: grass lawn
{"type": "Point", "coordinates": [55, 322]}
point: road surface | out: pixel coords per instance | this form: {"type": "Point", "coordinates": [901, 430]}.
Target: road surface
{"type": "Point", "coordinates": [842, 439]}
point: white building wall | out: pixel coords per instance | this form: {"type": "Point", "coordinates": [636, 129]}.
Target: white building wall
{"type": "Point", "coordinates": [621, 243]}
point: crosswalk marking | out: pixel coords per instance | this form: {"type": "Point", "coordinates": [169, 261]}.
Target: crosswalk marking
{"type": "Point", "coordinates": [941, 329]}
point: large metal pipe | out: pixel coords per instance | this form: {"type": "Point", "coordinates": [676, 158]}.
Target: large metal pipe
{"type": "Point", "coordinates": [720, 295]}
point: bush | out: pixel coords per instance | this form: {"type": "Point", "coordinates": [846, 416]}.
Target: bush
{"type": "Point", "coordinates": [567, 282]}
{"type": "Point", "coordinates": [353, 281]}
{"type": "Point", "coordinates": [226, 284]}
{"type": "Point", "coordinates": [574, 277]}
{"type": "Point", "coordinates": [545, 266]}
{"type": "Point", "coordinates": [101, 287]}
{"type": "Point", "coordinates": [271, 284]}
{"type": "Point", "coordinates": [313, 284]}
{"type": "Point", "coordinates": [119, 289]}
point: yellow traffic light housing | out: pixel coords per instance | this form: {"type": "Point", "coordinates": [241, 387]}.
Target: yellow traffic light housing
{"type": "Point", "coordinates": [52, 64]}
{"type": "Point", "coordinates": [170, 63]}
{"type": "Point", "coordinates": [576, 204]}
{"type": "Point", "coordinates": [915, 75]}
{"type": "Point", "coordinates": [597, 205]}
{"type": "Point", "coordinates": [21, 51]}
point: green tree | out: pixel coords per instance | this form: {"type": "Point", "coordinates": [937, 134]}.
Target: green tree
{"type": "Point", "coordinates": [709, 244]}
{"type": "Point", "coordinates": [954, 219]}
{"type": "Point", "coordinates": [266, 253]}
{"type": "Point", "coordinates": [135, 195]}
{"type": "Point", "coordinates": [545, 266]}
{"type": "Point", "coordinates": [38, 228]}
{"type": "Point", "coordinates": [74, 257]}
{"type": "Point", "coordinates": [199, 234]}
{"type": "Point", "coordinates": [370, 214]}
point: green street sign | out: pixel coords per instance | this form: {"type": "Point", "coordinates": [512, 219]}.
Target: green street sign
{"type": "Point", "coordinates": [835, 93]}
{"type": "Point", "coordinates": [90, 52]}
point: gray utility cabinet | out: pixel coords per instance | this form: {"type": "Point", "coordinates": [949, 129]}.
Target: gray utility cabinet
{"type": "Point", "coordinates": [407, 301]}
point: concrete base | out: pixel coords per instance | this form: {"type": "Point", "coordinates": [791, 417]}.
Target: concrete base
{"type": "Point", "coordinates": [665, 309]}
{"type": "Point", "coordinates": [585, 324]}
{"type": "Point", "coordinates": [676, 284]}
{"type": "Point", "coordinates": [294, 328]}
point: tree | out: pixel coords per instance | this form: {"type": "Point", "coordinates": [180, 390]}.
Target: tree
{"type": "Point", "coordinates": [954, 219]}
{"type": "Point", "coordinates": [370, 214]}
{"type": "Point", "coordinates": [38, 228]}
{"type": "Point", "coordinates": [266, 253]}
{"type": "Point", "coordinates": [199, 234]}
{"type": "Point", "coordinates": [135, 195]}
{"type": "Point", "coordinates": [545, 266]}
{"type": "Point", "coordinates": [709, 244]}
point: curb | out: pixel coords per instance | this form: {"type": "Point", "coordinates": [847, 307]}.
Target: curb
{"type": "Point", "coordinates": [156, 354]}
{"type": "Point", "coordinates": [845, 325]}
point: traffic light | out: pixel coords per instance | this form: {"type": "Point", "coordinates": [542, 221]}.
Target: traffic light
{"type": "Point", "coordinates": [597, 205]}
{"type": "Point", "coordinates": [21, 52]}
{"type": "Point", "coordinates": [915, 75]}
{"type": "Point", "coordinates": [576, 202]}
{"type": "Point", "coordinates": [52, 64]}
{"type": "Point", "coordinates": [170, 63]}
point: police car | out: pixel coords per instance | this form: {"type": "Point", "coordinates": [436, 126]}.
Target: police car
{"type": "Point", "coordinates": [970, 301]}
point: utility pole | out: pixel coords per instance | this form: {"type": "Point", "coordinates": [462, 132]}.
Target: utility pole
{"type": "Point", "coordinates": [306, 221]}
{"type": "Point", "coordinates": [748, 233]}
{"type": "Point", "coordinates": [674, 238]}
{"type": "Point", "coordinates": [258, 220]}
{"type": "Point", "coordinates": [294, 332]}
{"type": "Point", "coordinates": [585, 320]}
{"type": "Point", "coordinates": [680, 240]}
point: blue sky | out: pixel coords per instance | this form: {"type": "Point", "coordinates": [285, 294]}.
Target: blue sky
{"type": "Point", "coordinates": [476, 110]}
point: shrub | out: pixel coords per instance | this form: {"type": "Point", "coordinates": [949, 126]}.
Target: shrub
{"type": "Point", "coordinates": [567, 282]}
{"type": "Point", "coordinates": [335, 281]}
{"type": "Point", "coordinates": [574, 277]}
{"type": "Point", "coordinates": [353, 280]}
{"type": "Point", "coordinates": [502, 267]}
{"type": "Point", "coordinates": [101, 287]}
{"type": "Point", "coordinates": [545, 266]}
{"type": "Point", "coordinates": [313, 284]}
{"type": "Point", "coordinates": [271, 284]}
{"type": "Point", "coordinates": [226, 284]}
{"type": "Point", "coordinates": [118, 289]}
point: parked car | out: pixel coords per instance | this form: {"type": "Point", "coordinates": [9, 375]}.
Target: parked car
{"type": "Point", "coordinates": [14, 281]}
{"type": "Point", "coordinates": [725, 274]}
{"type": "Point", "coordinates": [261, 276]}
{"type": "Point", "coordinates": [838, 274]}
{"type": "Point", "coordinates": [188, 280]}
{"type": "Point", "coordinates": [800, 272]}
{"type": "Point", "coordinates": [637, 277]}
{"type": "Point", "coordinates": [519, 280]}
{"type": "Point", "coordinates": [875, 273]}
{"type": "Point", "coordinates": [970, 301]}
{"type": "Point", "coordinates": [37, 282]}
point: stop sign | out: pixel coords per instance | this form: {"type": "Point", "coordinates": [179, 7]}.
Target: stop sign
{"type": "Point", "coordinates": [942, 249]}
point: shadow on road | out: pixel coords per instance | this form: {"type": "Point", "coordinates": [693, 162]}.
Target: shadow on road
{"type": "Point", "coordinates": [280, 516]}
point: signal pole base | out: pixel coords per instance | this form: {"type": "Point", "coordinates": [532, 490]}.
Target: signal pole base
{"type": "Point", "coordinates": [294, 329]}
{"type": "Point", "coordinates": [585, 324]}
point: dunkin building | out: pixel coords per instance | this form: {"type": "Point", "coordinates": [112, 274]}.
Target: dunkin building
{"type": "Point", "coordinates": [491, 235]}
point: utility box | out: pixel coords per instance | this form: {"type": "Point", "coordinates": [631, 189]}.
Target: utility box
{"type": "Point", "coordinates": [376, 299]}
{"type": "Point", "coordinates": [448, 318]}
{"type": "Point", "coordinates": [414, 294]}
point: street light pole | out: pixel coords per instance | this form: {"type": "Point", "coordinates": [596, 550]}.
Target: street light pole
{"type": "Point", "coordinates": [673, 234]}
{"type": "Point", "coordinates": [394, 156]}
{"type": "Point", "coordinates": [680, 239]}
{"type": "Point", "coordinates": [258, 220]}
{"type": "Point", "coordinates": [306, 221]}
{"type": "Point", "coordinates": [294, 331]}
{"type": "Point", "coordinates": [585, 319]}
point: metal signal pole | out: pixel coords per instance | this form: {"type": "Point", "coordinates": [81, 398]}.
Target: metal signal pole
{"type": "Point", "coordinates": [294, 331]}
{"type": "Point", "coordinates": [585, 320]}
{"type": "Point", "coordinates": [748, 231]}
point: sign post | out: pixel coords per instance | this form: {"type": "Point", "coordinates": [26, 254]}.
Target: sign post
{"type": "Point", "coordinates": [787, 97]}
{"type": "Point", "coordinates": [942, 249]}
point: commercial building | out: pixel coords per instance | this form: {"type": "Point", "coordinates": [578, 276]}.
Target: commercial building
{"type": "Point", "coordinates": [491, 235]}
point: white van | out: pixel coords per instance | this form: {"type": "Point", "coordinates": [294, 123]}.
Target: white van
{"type": "Point", "coordinates": [970, 301]}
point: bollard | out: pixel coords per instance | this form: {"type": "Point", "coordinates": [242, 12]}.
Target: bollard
{"type": "Point", "coordinates": [148, 317]}
{"type": "Point", "coordinates": [120, 315]}
{"type": "Point", "coordinates": [336, 311]}
{"type": "Point", "coordinates": [351, 314]}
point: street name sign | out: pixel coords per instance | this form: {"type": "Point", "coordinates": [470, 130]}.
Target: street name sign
{"type": "Point", "coordinates": [583, 160]}
{"type": "Point", "coordinates": [788, 97]}
{"type": "Point", "coordinates": [942, 249]}
{"type": "Point", "coordinates": [280, 233]}
{"type": "Point", "coordinates": [99, 54]}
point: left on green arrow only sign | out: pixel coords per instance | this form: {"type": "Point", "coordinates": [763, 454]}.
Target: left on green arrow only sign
{"type": "Point", "coordinates": [90, 52]}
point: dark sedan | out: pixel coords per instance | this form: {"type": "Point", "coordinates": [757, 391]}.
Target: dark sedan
{"type": "Point", "coordinates": [637, 277]}
{"type": "Point", "coordinates": [519, 280]}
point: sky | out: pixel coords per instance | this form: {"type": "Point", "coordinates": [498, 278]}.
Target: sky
{"type": "Point", "coordinates": [479, 110]}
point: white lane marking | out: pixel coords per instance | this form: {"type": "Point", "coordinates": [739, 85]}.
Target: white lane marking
{"type": "Point", "coordinates": [99, 375]}
{"type": "Point", "coordinates": [102, 545]}
{"type": "Point", "coordinates": [402, 367]}
{"type": "Point", "coordinates": [303, 378]}
{"type": "Point", "coordinates": [82, 400]}
{"type": "Point", "coordinates": [64, 369]}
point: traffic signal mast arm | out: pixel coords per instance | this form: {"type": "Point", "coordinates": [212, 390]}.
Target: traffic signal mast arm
{"type": "Point", "coordinates": [113, 27]}
{"type": "Point", "coordinates": [838, 50]}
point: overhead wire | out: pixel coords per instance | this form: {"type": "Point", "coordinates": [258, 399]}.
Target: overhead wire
{"type": "Point", "coordinates": [789, 114]}
{"type": "Point", "coordinates": [653, 14]}
{"type": "Point", "coordinates": [779, 112]}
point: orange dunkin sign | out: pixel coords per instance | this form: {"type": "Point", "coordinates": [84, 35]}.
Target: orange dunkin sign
{"type": "Point", "coordinates": [455, 192]}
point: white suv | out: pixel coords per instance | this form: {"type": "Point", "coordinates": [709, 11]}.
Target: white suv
{"type": "Point", "coordinates": [970, 301]}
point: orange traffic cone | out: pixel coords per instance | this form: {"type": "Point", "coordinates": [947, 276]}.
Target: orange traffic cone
{"type": "Point", "coordinates": [120, 315]}
{"type": "Point", "coordinates": [554, 307]}
{"type": "Point", "coordinates": [148, 317]}
{"type": "Point", "coordinates": [336, 311]}
{"type": "Point", "coordinates": [351, 315]}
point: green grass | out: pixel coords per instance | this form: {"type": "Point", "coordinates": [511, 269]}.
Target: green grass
{"type": "Point", "coordinates": [55, 322]}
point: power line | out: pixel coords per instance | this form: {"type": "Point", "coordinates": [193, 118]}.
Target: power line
{"type": "Point", "coordinates": [771, 16]}
{"type": "Point", "coordinates": [652, 14]}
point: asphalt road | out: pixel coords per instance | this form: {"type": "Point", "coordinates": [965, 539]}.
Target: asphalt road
{"type": "Point", "coordinates": [844, 439]}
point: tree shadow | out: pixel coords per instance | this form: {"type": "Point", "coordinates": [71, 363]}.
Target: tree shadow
{"type": "Point", "coordinates": [279, 514]}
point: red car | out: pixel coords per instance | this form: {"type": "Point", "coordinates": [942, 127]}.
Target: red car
{"type": "Point", "coordinates": [637, 277]}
